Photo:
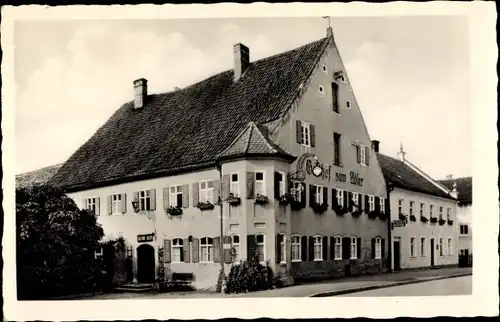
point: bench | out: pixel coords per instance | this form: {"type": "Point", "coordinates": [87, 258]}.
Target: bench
{"type": "Point", "coordinates": [181, 279]}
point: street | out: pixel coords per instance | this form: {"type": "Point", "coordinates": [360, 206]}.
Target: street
{"type": "Point", "coordinates": [449, 286]}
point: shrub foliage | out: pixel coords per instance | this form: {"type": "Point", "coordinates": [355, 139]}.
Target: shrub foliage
{"type": "Point", "coordinates": [249, 276]}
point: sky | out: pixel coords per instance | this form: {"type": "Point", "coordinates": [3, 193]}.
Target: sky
{"type": "Point", "coordinates": [410, 75]}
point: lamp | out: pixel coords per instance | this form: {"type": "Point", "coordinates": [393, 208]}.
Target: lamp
{"type": "Point", "coordinates": [135, 204]}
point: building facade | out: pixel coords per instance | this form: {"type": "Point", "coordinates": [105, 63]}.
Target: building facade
{"type": "Point", "coordinates": [270, 159]}
{"type": "Point", "coordinates": [424, 217]}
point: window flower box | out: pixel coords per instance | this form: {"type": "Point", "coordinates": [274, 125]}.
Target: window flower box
{"type": "Point", "coordinates": [413, 218]}
{"type": "Point", "coordinates": [442, 222]}
{"type": "Point", "coordinates": [174, 211]}
{"type": "Point", "coordinates": [382, 216]}
{"type": "Point", "coordinates": [261, 200]}
{"type": "Point", "coordinates": [434, 220]}
{"type": "Point", "coordinates": [319, 208]}
{"type": "Point", "coordinates": [296, 205]}
{"type": "Point", "coordinates": [339, 210]}
{"type": "Point", "coordinates": [450, 222]}
{"type": "Point", "coordinates": [356, 213]}
{"type": "Point", "coordinates": [402, 217]}
{"type": "Point", "coordinates": [423, 219]}
{"type": "Point", "coordinates": [284, 199]}
{"type": "Point", "coordinates": [233, 200]}
{"type": "Point", "coordinates": [205, 205]}
{"type": "Point", "coordinates": [373, 215]}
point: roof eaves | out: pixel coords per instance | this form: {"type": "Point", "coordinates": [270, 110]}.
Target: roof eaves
{"type": "Point", "coordinates": [427, 177]}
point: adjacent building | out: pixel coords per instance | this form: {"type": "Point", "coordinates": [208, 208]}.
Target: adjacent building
{"type": "Point", "coordinates": [271, 158]}
{"type": "Point", "coordinates": [39, 176]}
{"type": "Point", "coordinates": [423, 215]}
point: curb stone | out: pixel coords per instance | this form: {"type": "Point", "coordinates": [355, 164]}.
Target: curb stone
{"type": "Point", "coordinates": [386, 285]}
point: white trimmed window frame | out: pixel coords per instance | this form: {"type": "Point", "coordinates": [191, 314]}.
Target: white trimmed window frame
{"type": "Point", "coordinates": [318, 248]}
{"type": "Point", "coordinates": [423, 245]}
{"type": "Point", "coordinates": [260, 184]}
{"type": "Point", "coordinates": [355, 198]}
{"type": "Point", "coordinates": [283, 248]}
{"type": "Point", "coordinates": [412, 247]}
{"type": "Point", "coordinates": [296, 248]}
{"type": "Point", "coordinates": [382, 205]}
{"type": "Point", "coordinates": [145, 200]}
{"type": "Point", "coordinates": [206, 250]}
{"type": "Point", "coordinates": [90, 204]}
{"type": "Point", "coordinates": [206, 191]}
{"type": "Point", "coordinates": [411, 207]}
{"type": "Point", "coordinates": [174, 191]}
{"type": "Point", "coordinates": [422, 209]}
{"type": "Point", "coordinates": [441, 246]}
{"type": "Point", "coordinates": [234, 185]}
{"type": "Point", "coordinates": [354, 247]}
{"type": "Point", "coordinates": [400, 206]}
{"type": "Point", "coordinates": [177, 249]}
{"type": "Point", "coordinates": [340, 197]}
{"type": "Point", "coordinates": [371, 203]}
{"type": "Point", "coordinates": [362, 151]}
{"type": "Point", "coordinates": [235, 243]}
{"type": "Point", "coordinates": [116, 200]}
{"type": "Point", "coordinates": [305, 132]}
{"type": "Point", "coordinates": [440, 212]}
{"type": "Point", "coordinates": [282, 187]}
{"type": "Point", "coordinates": [262, 245]}
{"type": "Point", "coordinates": [318, 194]}
{"type": "Point", "coordinates": [338, 248]}
{"type": "Point", "coordinates": [378, 247]}
{"type": "Point", "coordinates": [450, 246]}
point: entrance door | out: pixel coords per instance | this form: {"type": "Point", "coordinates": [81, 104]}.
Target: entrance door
{"type": "Point", "coordinates": [432, 252]}
{"type": "Point", "coordinates": [145, 264]}
{"type": "Point", "coordinates": [397, 255]}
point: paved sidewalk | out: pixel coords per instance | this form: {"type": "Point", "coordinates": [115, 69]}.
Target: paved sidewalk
{"type": "Point", "coordinates": [324, 288]}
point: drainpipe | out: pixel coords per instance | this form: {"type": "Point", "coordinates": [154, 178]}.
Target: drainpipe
{"type": "Point", "coordinates": [389, 188]}
{"type": "Point", "coordinates": [221, 205]}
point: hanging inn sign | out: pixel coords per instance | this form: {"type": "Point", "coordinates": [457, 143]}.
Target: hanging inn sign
{"type": "Point", "coordinates": [308, 164]}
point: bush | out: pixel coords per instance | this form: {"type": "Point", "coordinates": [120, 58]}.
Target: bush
{"type": "Point", "coordinates": [249, 276]}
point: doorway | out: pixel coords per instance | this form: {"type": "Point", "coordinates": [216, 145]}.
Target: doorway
{"type": "Point", "coordinates": [397, 255]}
{"type": "Point", "coordinates": [432, 252]}
{"type": "Point", "coordinates": [145, 264]}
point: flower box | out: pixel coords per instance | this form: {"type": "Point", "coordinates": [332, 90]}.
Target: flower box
{"type": "Point", "coordinates": [450, 222]}
{"type": "Point", "coordinates": [382, 216]}
{"type": "Point", "coordinates": [205, 206]}
{"type": "Point", "coordinates": [174, 211]}
{"type": "Point", "coordinates": [356, 213]}
{"type": "Point", "coordinates": [372, 215]}
{"type": "Point", "coordinates": [339, 210]}
{"type": "Point", "coordinates": [284, 199]}
{"type": "Point", "coordinates": [413, 218]}
{"type": "Point", "coordinates": [434, 220]}
{"type": "Point", "coordinates": [423, 219]}
{"type": "Point", "coordinates": [442, 221]}
{"type": "Point", "coordinates": [233, 200]}
{"type": "Point", "coordinates": [296, 205]}
{"type": "Point", "coordinates": [261, 200]}
{"type": "Point", "coordinates": [402, 217]}
{"type": "Point", "coordinates": [319, 208]}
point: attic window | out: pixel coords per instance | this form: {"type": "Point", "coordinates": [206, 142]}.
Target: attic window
{"type": "Point", "coordinates": [324, 68]}
{"type": "Point", "coordinates": [321, 89]}
{"type": "Point", "coordinates": [348, 104]}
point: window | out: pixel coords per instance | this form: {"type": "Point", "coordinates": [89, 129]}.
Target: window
{"type": "Point", "coordinates": [335, 94]}
{"type": "Point", "coordinates": [462, 252]}
{"type": "Point", "coordinates": [371, 203]}
{"type": "Point", "coordinates": [235, 186]}
{"type": "Point", "coordinates": [318, 194]}
{"type": "Point", "coordinates": [98, 252]}
{"type": "Point", "coordinates": [450, 247]}
{"type": "Point", "coordinates": [412, 246]}
{"type": "Point", "coordinates": [235, 243]}
{"type": "Point", "coordinates": [448, 214]}
{"type": "Point", "coordinates": [318, 248]}
{"type": "Point", "coordinates": [440, 246]}
{"type": "Point", "coordinates": [338, 248]}
{"type": "Point", "coordinates": [206, 191]}
{"type": "Point", "coordinates": [176, 196]}
{"type": "Point", "coordinates": [464, 229]}
{"type": "Point", "coordinates": [382, 205]}
{"type": "Point", "coordinates": [336, 148]}
{"type": "Point", "coordinates": [259, 184]}
{"type": "Point", "coordinates": [145, 200]}
{"type": "Point", "coordinates": [378, 248]}
{"type": "Point", "coordinates": [90, 204]}
{"type": "Point", "coordinates": [362, 150]}
{"type": "Point", "coordinates": [411, 208]}
{"type": "Point", "coordinates": [296, 249]}
{"type": "Point", "coordinates": [115, 203]}
{"type": "Point", "coordinates": [431, 210]}
{"type": "Point", "coordinates": [260, 239]}
{"type": "Point", "coordinates": [324, 68]}
{"type": "Point", "coordinates": [355, 199]}
{"type": "Point", "coordinates": [422, 246]}
{"type": "Point", "coordinates": [321, 90]}
{"type": "Point", "coordinates": [282, 182]}
{"type": "Point", "coordinates": [297, 188]}
{"type": "Point", "coordinates": [400, 206]}
{"type": "Point", "coordinates": [440, 213]}
{"type": "Point", "coordinates": [177, 250]}
{"type": "Point", "coordinates": [283, 248]}
{"type": "Point", "coordinates": [422, 207]}
{"type": "Point", "coordinates": [348, 104]}
{"type": "Point", "coordinates": [306, 133]}
{"type": "Point", "coordinates": [354, 248]}
{"type": "Point", "coordinates": [340, 197]}
{"type": "Point", "coordinates": [207, 249]}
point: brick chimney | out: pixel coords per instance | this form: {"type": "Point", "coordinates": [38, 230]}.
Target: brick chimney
{"type": "Point", "coordinates": [241, 60]}
{"type": "Point", "coordinates": [140, 92]}
{"type": "Point", "coordinates": [375, 145]}
{"type": "Point", "coordinates": [449, 177]}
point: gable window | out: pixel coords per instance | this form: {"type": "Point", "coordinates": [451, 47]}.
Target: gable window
{"type": "Point", "coordinates": [305, 132]}
{"type": "Point", "coordinates": [448, 214]}
{"type": "Point", "coordinates": [411, 208]}
{"type": "Point", "coordinates": [235, 243]}
{"type": "Point", "coordinates": [90, 205]}
{"type": "Point", "coordinates": [422, 207]}
{"type": "Point", "coordinates": [422, 246]}
{"type": "Point", "coordinates": [318, 194]}
{"type": "Point", "coordinates": [348, 104]}
{"type": "Point", "coordinates": [206, 191]}
{"type": "Point", "coordinates": [440, 213]}
{"type": "Point", "coordinates": [431, 210]}
{"type": "Point", "coordinates": [382, 205]}
{"type": "Point", "coordinates": [440, 246]}
{"type": "Point", "coordinates": [354, 248]}
{"type": "Point", "coordinates": [207, 249]}
{"type": "Point", "coordinates": [235, 186]}
{"type": "Point", "coordinates": [340, 197]}
{"type": "Point", "coordinates": [336, 149]}
{"type": "Point", "coordinates": [450, 247]}
{"type": "Point", "coordinates": [176, 196]}
{"type": "Point", "coordinates": [338, 248]}
{"type": "Point", "coordinates": [296, 249]}
{"type": "Point", "coordinates": [335, 94]}
{"type": "Point", "coordinates": [378, 248]}
{"type": "Point", "coordinates": [260, 247]}
{"type": "Point", "coordinates": [145, 200]}
{"type": "Point", "coordinates": [259, 183]}
{"type": "Point", "coordinates": [371, 203]}
{"type": "Point", "coordinates": [362, 151]}
{"type": "Point", "coordinates": [464, 229]}
{"type": "Point", "coordinates": [177, 250]}
{"type": "Point", "coordinates": [412, 246]}
{"type": "Point", "coordinates": [400, 206]}
{"type": "Point", "coordinates": [116, 203]}
{"type": "Point", "coordinates": [321, 90]}
{"type": "Point", "coordinates": [355, 199]}
{"type": "Point", "coordinates": [318, 248]}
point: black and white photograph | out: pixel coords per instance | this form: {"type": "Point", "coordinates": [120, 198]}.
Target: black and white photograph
{"type": "Point", "coordinates": [221, 157]}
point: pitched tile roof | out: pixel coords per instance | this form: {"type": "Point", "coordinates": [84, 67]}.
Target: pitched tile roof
{"type": "Point", "coordinates": [188, 128]}
{"type": "Point", "coordinates": [254, 140]}
{"type": "Point", "coordinates": [403, 176]}
{"type": "Point", "coordinates": [464, 188]}
{"type": "Point", "coordinates": [42, 175]}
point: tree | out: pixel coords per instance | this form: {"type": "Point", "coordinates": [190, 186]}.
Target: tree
{"type": "Point", "coordinates": [56, 243]}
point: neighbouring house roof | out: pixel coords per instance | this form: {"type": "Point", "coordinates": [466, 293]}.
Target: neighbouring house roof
{"type": "Point", "coordinates": [464, 188]}
{"type": "Point", "coordinates": [39, 176]}
{"type": "Point", "coordinates": [189, 128]}
{"type": "Point", "coordinates": [403, 176]}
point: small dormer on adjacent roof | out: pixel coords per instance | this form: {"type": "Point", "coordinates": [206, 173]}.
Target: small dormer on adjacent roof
{"type": "Point", "coordinates": [241, 60]}
{"type": "Point", "coordinates": [140, 92]}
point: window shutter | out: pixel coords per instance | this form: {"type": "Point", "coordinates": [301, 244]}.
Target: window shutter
{"type": "Point", "coordinates": [217, 258]}
{"type": "Point", "coordinates": [195, 250]}
{"type": "Point", "coordinates": [196, 194]}
{"type": "Point", "coordinates": [303, 248]}
{"type": "Point", "coordinates": [225, 186]}
{"type": "Point", "coordinates": [386, 206]}
{"type": "Point", "coordinates": [358, 245]}
{"type": "Point", "coordinates": [166, 250]}
{"type": "Point", "coordinates": [227, 251]}
{"type": "Point", "coordinates": [136, 198]}
{"type": "Point", "coordinates": [110, 205]}
{"type": "Point", "coordinates": [185, 196]}
{"type": "Point", "coordinates": [349, 202]}
{"type": "Point", "coordinates": [298, 131]}
{"type": "Point", "coordinates": [250, 185]}
{"type": "Point", "coordinates": [123, 203]}
{"type": "Point", "coordinates": [367, 203]}
{"type": "Point", "coordinates": [358, 154]}
{"type": "Point", "coordinates": [377, 204]}
{"type": "Point", "coordinates": [216, 191]}
{"type": "Point", "coordinates": [312, 128]}
{"type": "Point", "coordinates": [325, 248]}
{"type": "Point", "coordinates": [382, 248]}
{"type": "Point", "coordinates": [279, 238]}
{"type": "Point", "coordinates": [367, 155]}
{"type": "Point", "coordinates": [325, 195]}
{"type": "Point", "coordinates": [165, 198]}
{"type": "Point", "coordinates": [152, 194]}
{"type": "Point", "coordinates": [373, 248]}
{"type": "Point", "coordinates": [186, 250]}
{"type": "Point", "coordinates": [334, 197]}
{"type": "Point", "coordinates": [84, 203]}
{"type": "Point", "coordinates": [277, 180]}
{"type": "Point", "coordinates": [311, 248]}
{"type": "Point", "coordinates": [346, 248]}
{"type": "Point", "coordinates": [332, 247]}
{"type": "Point", "coordinates": [251, 246]}
{"type": "Point", "coordinates": [311, 194]}
{"type": "Point", "coordinates": [345, 198]}
{"type": "Point", "coordinates": [97, 206]}
{"type": "Point", "coordinates": [303, 194]}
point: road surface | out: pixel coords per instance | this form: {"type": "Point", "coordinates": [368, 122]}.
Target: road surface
{"type": "Point", "coordinates": [449, 286]}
